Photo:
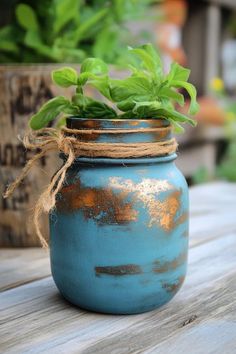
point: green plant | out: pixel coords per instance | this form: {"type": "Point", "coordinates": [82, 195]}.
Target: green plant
{"type": "Point", "coordinates": [68, 30]}
{"type": "Point", "coordinates": [201, 175]}
{"type": "Point", "coordinates": [146, 93]}
{"type": "Point", "coordinates": [226, 169]}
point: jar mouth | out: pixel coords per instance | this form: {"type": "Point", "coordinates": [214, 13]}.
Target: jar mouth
{"type": "Point", "coordinates": [75, 122]}
{"type": "Point", "coordinates": [120, 130]}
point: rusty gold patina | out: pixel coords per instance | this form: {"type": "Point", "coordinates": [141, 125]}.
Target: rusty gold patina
{"type": "Point", "coordinates": [181, 219]}
{"type": "Point", "coordinates": [84, 125]}
{"type": "Point", "coordinates": [174, 286]}
{"type": "Point", "coordinates": [162, 212]}
{"type": "Point", "coordinates": [161, 135]}
{"type": "Point", "coordinates": [162, 267]}
{"type": "Point", "coordinates": [102, 205]}
{"type": "Point", "coordinates": [114, 204]}
{"type": "Point", "coordinates": [126, 269]}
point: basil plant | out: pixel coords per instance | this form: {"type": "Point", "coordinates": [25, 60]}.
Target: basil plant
{"type": "Point", "coordinates": [146, 93]}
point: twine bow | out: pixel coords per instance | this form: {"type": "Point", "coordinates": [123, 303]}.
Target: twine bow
{"type": "Point", "coordinates": [50, 139]}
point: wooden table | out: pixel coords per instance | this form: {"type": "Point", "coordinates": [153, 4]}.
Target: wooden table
{"type": "Point", "coordinates": [200, 319]}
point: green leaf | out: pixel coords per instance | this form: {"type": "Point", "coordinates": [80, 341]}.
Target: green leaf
{"type": "Point", "coordinates": [108, 37]}
{"type": "Point", "coordinates": [7, 46]}
{"type": "Point", "coordinates": [126, 105]}
{"type": "Point", "coordinates": [49, 111]}
{"type": "Point", "coordinates": [7, 40]}
{"type": "Point", "coordinates": [65, 77]}
{"type": "Point", "coordinates": [175, 116]}
{"type": "Point", "coordinates": [94, 66]}
{"type": "Point", "coordinates": [65, 11]}
{"type": "Point", "coordinates": [146, 109]}
{"type": "Point", "coordinates": [33, 40]}
{"type": "Point", "coordinates": [127, 115]}
{"type": "Point", "coordinates": [167, 92]}
{"type": "Point", "coordinates": [149, 48]}
{"type": "Point", "coordinates": [155, 110]}
{"type": "Point", "coordinates": [101, 83]}
{"type": "Point", "coordinates": [83, 29]}
{"type": "Point", "coordinates": [26, 17]}
{"type": "Point", "coordinates": [177, 72]}
{"type": "Point", "coordinates": [69, 55]}
{"type": "Point", "coordinates": [150, 59]}
{"type": "Point", "coordinates": [90, 108]}
{"type": "Point", "coordinates": [194, 106]}
{"type": "Point", "coordinates": [131, 102]}
{"type": "Point", "coordinates": [178, 129]}
{"type": "Point", "coordinates": [61, 122]}
{"type": "Point", "coordinates": [132, 86]}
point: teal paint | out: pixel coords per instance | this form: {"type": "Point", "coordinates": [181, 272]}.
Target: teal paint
{"type": "Point", "coordinates": [119, 233]}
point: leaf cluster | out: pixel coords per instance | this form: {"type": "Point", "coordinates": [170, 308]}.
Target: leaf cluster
{"type": "Point", "coordinates": [68, 30]}
{"type": "Point", "coordinates": [146, 93]}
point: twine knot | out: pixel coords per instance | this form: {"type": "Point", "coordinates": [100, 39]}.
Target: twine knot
{"type": "Point", "coordinates": [67, 142]}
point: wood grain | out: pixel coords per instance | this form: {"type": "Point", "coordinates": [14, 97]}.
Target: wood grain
{"type": "Point", "coordinates": [212, 211]}
{"type": "Point", "coordinates": [23, 90]}
{"type": "Point", "coordinates": [21, 266]}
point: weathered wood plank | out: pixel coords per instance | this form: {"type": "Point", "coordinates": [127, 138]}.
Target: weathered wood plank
{"type": "Point", "coordinates": [211, 197]}
{"type": "Point", "coordinates": [215, 335]}
{"type": "Point", "coordinates": [212, 211]}
{"type": "Point", "coordinates": [44, 323]}
{"type": "Point", "coordinates": [24, 88]}
{"type": "Point", "coordinates": [20, 266]}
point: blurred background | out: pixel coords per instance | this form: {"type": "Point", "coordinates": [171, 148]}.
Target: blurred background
{"type": "Point", "coordinates": [38, 36]}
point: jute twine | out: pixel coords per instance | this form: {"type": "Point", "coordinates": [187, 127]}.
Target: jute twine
{"type": "Point", "coordinates": [66, 141]}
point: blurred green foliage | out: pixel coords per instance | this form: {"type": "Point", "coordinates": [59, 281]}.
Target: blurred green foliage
{"type": "Point", "coordinates": [201, 175]}
{"type": "Point", "coordinates": [227, 167]}
{"type": "Point", "coordinates": [69, 30]}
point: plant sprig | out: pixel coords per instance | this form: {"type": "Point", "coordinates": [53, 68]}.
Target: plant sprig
{"type": "Point", "coordinates": [146, 93]}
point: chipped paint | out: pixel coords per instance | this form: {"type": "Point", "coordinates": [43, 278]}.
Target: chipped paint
{"type": "Point", "coordinates": [181, 219]}
{"type": "Point", "coordinates": [165, 211]}
{"type": "Point", "coordinates": [173, 287]}
{"type": "Point", "coordinates": [161, 135]}
{"type": "Point", "coordinates": [127, 269]}
{"type": "Point", "coordinates": [162, 267]}
{"type": "Point", "coordinates": [135, 123]}
{"type": "Point", "coordinates": [115, 204]}
{"type": "Point", "coordinates": [145, 189]}
{"type": "Point", "coordinates": [162, 213]}
{"type": "Point", "coordinates": [102, 205]}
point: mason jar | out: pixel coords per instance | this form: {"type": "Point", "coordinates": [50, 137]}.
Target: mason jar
{"type": "Point", "coordinates": [119, 231]}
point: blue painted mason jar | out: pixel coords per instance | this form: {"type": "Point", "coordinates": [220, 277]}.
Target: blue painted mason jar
{"type": "Point", "coordinates": [119, 232]}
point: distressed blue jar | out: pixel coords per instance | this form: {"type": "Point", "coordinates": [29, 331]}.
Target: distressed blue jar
{"type": "Point", "coordinates": [119, 232]}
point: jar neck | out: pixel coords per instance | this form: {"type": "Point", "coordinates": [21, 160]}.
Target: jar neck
{"type": "Point", "coordinates": [146, 134]}
{"type": "Point", "coordinates": [128, 131]}
{"type": "Point", "coordinates": [108, 161]}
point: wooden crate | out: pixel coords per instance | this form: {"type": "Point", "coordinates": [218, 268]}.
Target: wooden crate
{"type": "Point", "coordinates": [23, 90]}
